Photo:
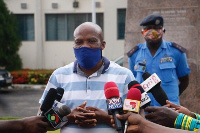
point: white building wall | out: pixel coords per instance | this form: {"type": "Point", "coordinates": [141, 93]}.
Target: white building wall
{"type": "Point", "coordinates": [42, 54]}
{"type": "Point", "coordinates": [114, 47]}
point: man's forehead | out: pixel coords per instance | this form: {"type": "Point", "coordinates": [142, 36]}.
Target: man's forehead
{"type": "Point", "coordinates": [86, 30]}
{"type": "Point", "coordinates": [87, 33]}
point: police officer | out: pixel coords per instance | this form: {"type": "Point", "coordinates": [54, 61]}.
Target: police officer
{"type": "Point", "coordinates": [167, 59]}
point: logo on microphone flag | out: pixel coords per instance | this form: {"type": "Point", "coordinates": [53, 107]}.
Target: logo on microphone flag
{"type": "Point", "coordinates": [114, 103]}
{"type": "Point", "coordinates": [150, 82]}
{"type": "Point", "coordinates": [131, 105]}
{"type": "Point", "coordinates": [145, 99]}
{"type": "Point", "coordinates": [53, 117]}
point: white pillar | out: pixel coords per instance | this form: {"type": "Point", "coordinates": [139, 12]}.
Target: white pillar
{"type": "Point", "coordinates": [39, 33]}
{"type": "Point", "coordinates": [93, 11]}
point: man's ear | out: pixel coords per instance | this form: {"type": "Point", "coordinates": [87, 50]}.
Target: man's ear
{"type": "Point", "coordinates": [163, 29]}
{"type": "Point", "coordinates": [103, 45]}
{"type": "Point", "coordinates": [142, 31]}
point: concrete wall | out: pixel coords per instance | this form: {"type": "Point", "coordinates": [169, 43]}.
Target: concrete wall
{"type": "Point", "coordinates": [182, 24]}
{"type": "Point", "coordinates": [114, 47]}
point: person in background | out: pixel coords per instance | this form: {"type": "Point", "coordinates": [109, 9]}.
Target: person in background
{"type": "Point", "coordinates": [83, 82]}
{"type": "Point", "coordinates": [167, 59]}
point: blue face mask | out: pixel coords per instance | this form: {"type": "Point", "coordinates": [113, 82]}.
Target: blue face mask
{"type": "Point", "coordinates": [87, 57]}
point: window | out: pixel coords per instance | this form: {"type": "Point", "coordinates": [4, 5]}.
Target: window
{"type": "Point", "coordinates": [121, 19]}
{"type": "Point", "coordinates": [26, 27]}
{"type": "Point", "coordinates": [60, 27]}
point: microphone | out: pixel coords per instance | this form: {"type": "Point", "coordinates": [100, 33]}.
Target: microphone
{"type": "Point", "coordinates": [114, 103]}
{"type": "Point", "coordinates": [132, 103]}
{"type": "Point", "coordinates": [60, 92]}
{"type": "Point", "coordinates": [48, 101]}
{"type": "Point", "coordinates": [145, 100]}
{"type": "Point", "coordinates": [57, 117]}
{"type": "Point", "coordinates": [152, 84]}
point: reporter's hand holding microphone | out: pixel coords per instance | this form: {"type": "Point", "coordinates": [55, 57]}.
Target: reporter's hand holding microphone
{"type": "Point", "coordinates": [145, 102]}
{"type": "Point", "coordinates": [131, 104]}
{"type": "Point", "coordinates": [57, 117]}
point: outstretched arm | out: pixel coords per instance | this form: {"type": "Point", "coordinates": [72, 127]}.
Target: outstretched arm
{"type": "Point", "coordinates": [138, 124]}
{"type": "Point", "coordinates": [33, 124]}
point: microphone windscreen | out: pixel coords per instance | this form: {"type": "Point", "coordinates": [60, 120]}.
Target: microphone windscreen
{"type": "Point", "coordinates": [64, 110]}
{"type": "Point", "coordinates": [60, 92]}
{"type": "Point", "coordinates": [111, 90]}
{"type": "Point", "coordinates": [134, 94]}
{"type": "Point", "coordinates": [135, 84]}
{"type": "Point", "coordinates": [49, 100]}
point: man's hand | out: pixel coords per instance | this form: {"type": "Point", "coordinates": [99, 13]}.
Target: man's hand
{"type": "Point", "coordinates": [82, 117]}
{"type": "Point", "coordinates": [34, 124]}
{"type": "Point", "coordinates": [75, 112]}
{"type": "Point", "coordinates": [100, 116]}
{"type": "Point", "coordinates": [135, 121]}
{"type": "Point", "coordinates": [161, 115]}
{"type": "Point", "coordinates": [85, 119]}
{"type": "Point", "coordinates": [179, 109]}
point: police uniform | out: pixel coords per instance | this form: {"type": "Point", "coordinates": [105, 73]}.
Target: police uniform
{"type": "Point", "coordinates": [169, 63]}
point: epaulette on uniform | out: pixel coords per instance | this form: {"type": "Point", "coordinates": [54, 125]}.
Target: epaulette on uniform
{"type": "Point", "coordinates": [179, 47]}
{"type": "Point", "coordinates": [134, 49]}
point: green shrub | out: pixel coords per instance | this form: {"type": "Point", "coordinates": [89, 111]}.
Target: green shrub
{"type": "Point", "coordinates": [9, 40]}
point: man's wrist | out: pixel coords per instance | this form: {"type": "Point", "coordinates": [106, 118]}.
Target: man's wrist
{"type": "Point", "coordinates": [71, 119]}
{"type": "Point", "coordinates": [106, 120]}
{"type": "Point", "coordinates": [192, 114]}
{"type": "Point", "coordinates": [146, 126]}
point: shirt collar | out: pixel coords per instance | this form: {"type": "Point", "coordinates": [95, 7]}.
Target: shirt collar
{"type": "Point", "coordinates": [102, 70]}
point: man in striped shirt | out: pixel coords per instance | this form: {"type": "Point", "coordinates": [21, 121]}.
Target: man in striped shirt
{"type": "Point", "coordinates": [83, 82]}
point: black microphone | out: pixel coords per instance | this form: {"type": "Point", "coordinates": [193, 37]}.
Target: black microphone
{"type": "Point", "coordinates": [114, 103]}
{"type": "Point", "coordinates": [145, 100]}
{"type": "Point", "coordinates": [48, 101]}
{"type": "Point", "coordinates": [157, 91]}
{"type": "Point", "coordinates": [57, 116]}
{"type": "Point", "coordinates": [64, 110]}
{"type": "Point", "coordinates": [60, 92]}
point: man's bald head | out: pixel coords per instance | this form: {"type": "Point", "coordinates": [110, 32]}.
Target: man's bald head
{"type": "Point", "coordinates": [89, 27]}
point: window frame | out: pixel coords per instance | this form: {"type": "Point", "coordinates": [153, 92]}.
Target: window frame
{"type": "Point", "coordinates": [119, 36]}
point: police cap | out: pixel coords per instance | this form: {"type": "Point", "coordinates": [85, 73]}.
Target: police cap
{"type": "Point", "coordinates": [152, 19]}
